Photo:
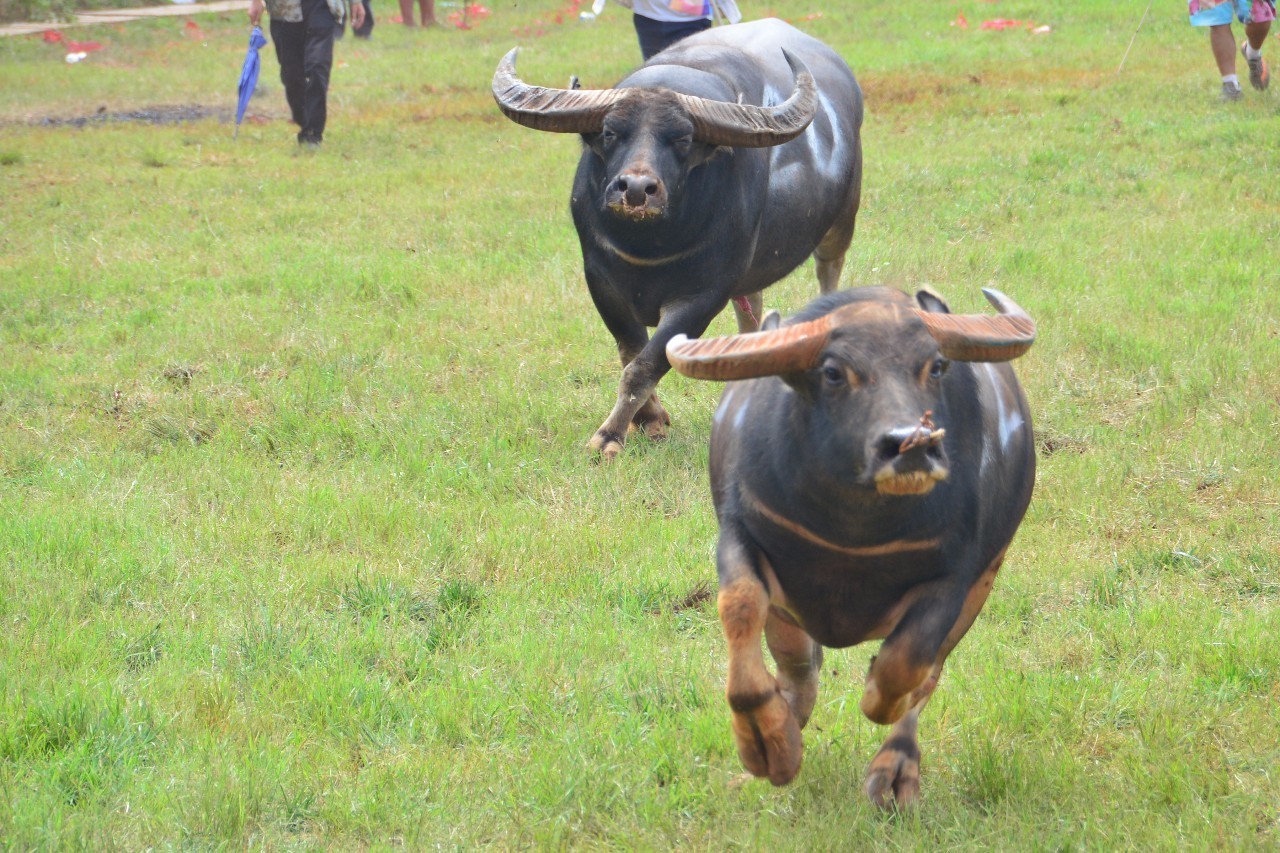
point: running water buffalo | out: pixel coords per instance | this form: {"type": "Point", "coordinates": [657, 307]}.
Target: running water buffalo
{"type": "Point", "coordinates": [870, 463]}
{"type": "Point", "coordinates": [706, 175]}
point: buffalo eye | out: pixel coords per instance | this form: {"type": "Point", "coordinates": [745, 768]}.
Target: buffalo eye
{"type": "Point", "coordinates": [832, 376]}
{"type": "Point", "coordinates": [938, 368]}
{"type": "Point", "coordinates": [683, 144]}
{"type": "Point", "coordinates": [608, 137]}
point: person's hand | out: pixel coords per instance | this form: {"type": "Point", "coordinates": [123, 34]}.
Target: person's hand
{"type": "Point", "coordinates": [256, 8]}
{"type": "Point", "coordinates": [357, 13]}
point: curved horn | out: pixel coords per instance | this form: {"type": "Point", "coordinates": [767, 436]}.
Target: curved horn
{"type": "Point", "coordinates": [754, 354]}
{"type": "Point", "coordinates": [745, 126]}
{"type": "Point", "coordinates": [981, 337]}
{"type": "Point", "coordinates": [557, 110]}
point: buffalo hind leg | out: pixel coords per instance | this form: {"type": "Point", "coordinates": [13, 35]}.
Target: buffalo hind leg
{"type": "Point", "coordinates": [899, 686]}
{"type": "Point", "coordinates": [764, 726]}
{"type": "Point", "coordinates": [749, 319]}
{"type": "Point", "coordinates": [799, 659]}
{"type": "Point", "coordinates": [829, 255]}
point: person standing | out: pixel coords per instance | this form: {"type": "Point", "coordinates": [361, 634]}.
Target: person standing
{"type": "Point", "coordinates": [661, 23]}
{"type": "Point", "coordinates": [428, 8]}
{"type": "Point", "coordinates": [303, 32]}
{"type": "Point", "coordinates": [1256, 15]}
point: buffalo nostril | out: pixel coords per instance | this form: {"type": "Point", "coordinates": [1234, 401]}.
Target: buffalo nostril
{"type": "Point", "coordinates": [889, 445]}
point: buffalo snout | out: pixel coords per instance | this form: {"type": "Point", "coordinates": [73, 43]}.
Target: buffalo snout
{"type": "Point", "coordinates": [635, 193]}
{"type": "Point", "coordinates": [908, 460]}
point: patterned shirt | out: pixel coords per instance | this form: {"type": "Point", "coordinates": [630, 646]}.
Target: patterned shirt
{"type": "Point", "coordinates": [291, 10]}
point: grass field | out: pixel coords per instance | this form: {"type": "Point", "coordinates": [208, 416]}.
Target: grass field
{"type": "Point", "coordinates": [301, 547]}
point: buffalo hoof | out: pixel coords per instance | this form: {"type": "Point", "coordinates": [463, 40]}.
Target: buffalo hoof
{"type": "Point", "coordinates": [606, 445]}
{"type": "Point", "coordinates": [769, 741]}
{"type": "Point", "coordinates": [652, 419]}
{"type": "Point", "coordinates": [893, 778]}
{"type": "Point", "coordinates": [655, 428]}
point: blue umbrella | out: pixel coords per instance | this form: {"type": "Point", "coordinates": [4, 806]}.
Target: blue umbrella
{"type": "Point", "coordinates": [249, 74]}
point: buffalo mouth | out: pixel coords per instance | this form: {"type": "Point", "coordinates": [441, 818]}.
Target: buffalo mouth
{"type": "Point", "coordinates": [636, 212]}
{"type": "Point", "coordinates": [890, 481]}
{"type": "Point", "coordinates": [913, 459]}
{"type": "Point", "coordinates": [916, 471]}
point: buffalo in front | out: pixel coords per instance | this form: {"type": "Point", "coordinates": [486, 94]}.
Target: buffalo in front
{"type": "Point", "coordinates": [871, 461]}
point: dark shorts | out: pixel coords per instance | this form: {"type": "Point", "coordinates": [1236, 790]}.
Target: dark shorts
{"type": "Point", "coordinates": [657, 36]}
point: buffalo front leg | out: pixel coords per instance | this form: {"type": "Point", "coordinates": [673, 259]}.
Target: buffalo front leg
{"type": "Point", "coordinates": [637, 401]}
{"type": "Point", "coordinates": [650, 418]}
{"type": "Point", "coordinates": [893, 777]}
{"type": "Point", "coordinates": [898, 680]}
{"type": "Point", "coordinates": [764, 727]}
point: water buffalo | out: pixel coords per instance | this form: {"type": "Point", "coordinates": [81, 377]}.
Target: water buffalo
{"type": "Point", "coordinates": [868, 470]}
{"type": "Point", "coordinates": [706, 175]}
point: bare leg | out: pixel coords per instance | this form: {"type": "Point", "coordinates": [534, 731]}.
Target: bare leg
{"type": "Point", "coordinates": [1223, 42]}
{"type": "Point", "coordinates": [1257, 34]}
{"type": "Point", "coordinates": [428, 12]}
{"type": "Point", "coordinates": [406, 13]}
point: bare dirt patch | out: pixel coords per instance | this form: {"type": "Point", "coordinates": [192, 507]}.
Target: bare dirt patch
{"type": "Point", "coordinates": [157, 115]}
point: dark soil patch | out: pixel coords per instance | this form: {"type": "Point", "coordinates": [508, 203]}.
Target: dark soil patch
{"type": "Point", "coordinates": [148, 115]}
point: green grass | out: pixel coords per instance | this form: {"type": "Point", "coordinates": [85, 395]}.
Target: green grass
{"type": "Point", "coordinates": [299, 545]}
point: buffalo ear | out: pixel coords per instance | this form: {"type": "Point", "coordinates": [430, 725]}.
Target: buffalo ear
{"type": "Point", "coordinates": [931, 302]}
{"type": "Point", "coordinates": [771, 321]}
{"type": "Point", "coordinates": [801, 382]}
{"type": "Point", "coordinates": [703, 154]}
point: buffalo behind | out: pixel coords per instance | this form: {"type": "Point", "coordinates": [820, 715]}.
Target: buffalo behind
{"type": "Point", "coordinates": [706, 175]}
{"type": "Point", "coordinates": [869, 468]}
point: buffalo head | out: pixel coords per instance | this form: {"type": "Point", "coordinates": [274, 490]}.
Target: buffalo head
{"type": "Point", "coordinates": [869, 374]}
{"type": "Point", "coordinates": [649, 138]}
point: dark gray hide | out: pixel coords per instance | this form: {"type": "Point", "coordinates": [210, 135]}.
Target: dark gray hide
{"type": "Point", "coordinates": [688, 195]}
{"type": "Point", "coordinates": [867, 484]}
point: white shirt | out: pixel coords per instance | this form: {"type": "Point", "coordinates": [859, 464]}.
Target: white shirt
{"type": "Point", "coordinates": [672, 10]}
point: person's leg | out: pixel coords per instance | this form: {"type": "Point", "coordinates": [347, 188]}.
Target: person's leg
{"type": "Point", "coordinates": [289, 40]}
{"type": "Point", "coordinates": [648, 33]}
{"type": "Point", "coordinates": [1258, 23]}
{"type": "Point", "coordinates": [406, 13]}
{"type": "Point", "coordinates": [1256, 33]}
{"type": "Point", "coordinates": [1257, 17]}
{"type": "Point", "coordinates": [1223, 42]}
{"type": "Point", "coordinates": [317, 62]}
{"type": "Point", "coordinates": [428, 12]}
{"type": "Point", "coordinates": [683, 29]}
{"type": "Point", "coordinates": [657, 36]}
